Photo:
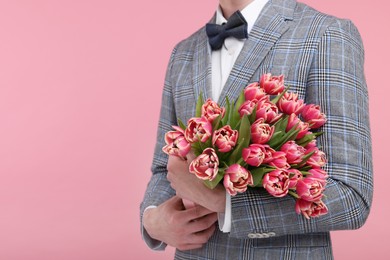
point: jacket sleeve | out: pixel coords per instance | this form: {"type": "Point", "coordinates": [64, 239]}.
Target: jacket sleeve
{"type": "Point", "coordinates": [336, 82]}
{"type": "Point", "coordinates": [159, 189]}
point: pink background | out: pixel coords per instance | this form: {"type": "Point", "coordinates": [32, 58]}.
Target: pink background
{"type": "Point", "coordinates": [80, 86]}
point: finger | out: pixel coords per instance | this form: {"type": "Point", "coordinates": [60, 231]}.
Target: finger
{"type": "Point", "coordinates": [200, 238]}
{"type": "Point", "coordinates": [203, 236]}
{"type": "Point", "coordinates": [195, 213]}
{"type": "Point", "coordinates": [203, 223]}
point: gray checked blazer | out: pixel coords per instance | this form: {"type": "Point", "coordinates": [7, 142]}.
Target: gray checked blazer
{"type": "Point", "coordinates": [322, 58]}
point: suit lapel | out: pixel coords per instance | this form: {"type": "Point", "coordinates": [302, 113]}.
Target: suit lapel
{"type": "Point", "coordinates": [201, 69]}
{"type": "Point", "coordinates": [268, 28]}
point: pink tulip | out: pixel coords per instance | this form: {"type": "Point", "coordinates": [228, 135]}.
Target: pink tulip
{"type": "Point", "coordinates": [272, 85]}
{"type": "Point", "coordinates": [313, 143]}
{"type": "Point", "coordinates": [247, 107]}
{"type": "Point", "coordinates": [268, 153]}
{"type": "Point", "coordinates": [294, 121]}
{"type": "Point", "coordinates": [295, 176]}
{"type": "Point", "coordinates": [254, 154]}
{"type": "Point", "coordinates": [317, 159]}
{"type": "Point", "coordinates": [176, 144]}
{"type": "Point", "coordinates": [289, 103]}
{"type": "Point", "coordinates": [254, 92]}
{"type": "Point", "coordinates": [294, 152]}
{"type": "Point", "coordinates": [198, 129]}
{"type": "Point", "coordinates": [318, 174]}
{"type": "Point", "coordinates": [237, 179]}
{"type": "Point", "coordinates": [312, 114]}
{"type": "Point", "coordinates": [225, 139]}
{"type": "Point", "coordinates": [268, 111]}
{"type": "Point", "coordinates": [205, 166]}
{"type": "Point", "coordinates": [261, 132]}
{"type": "Point", "coordinates": [276, 183]}
{"type": "Point", "coordinates": [212, 110]}
{"type": "Point", "coordinates": [279, 160]}
{"type": "Point", "coordinates": [310, 208]}
{"type": "Point", "coordinates": [310, 189]}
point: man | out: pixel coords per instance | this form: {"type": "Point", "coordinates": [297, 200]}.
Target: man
{"type": "Point", "coordinates": [322, 60]}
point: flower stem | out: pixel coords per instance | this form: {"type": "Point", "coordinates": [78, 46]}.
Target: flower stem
{"type": "Point", "coordinates": [293, 194]}
{"type": "Point", "coordinates": [241, 160]}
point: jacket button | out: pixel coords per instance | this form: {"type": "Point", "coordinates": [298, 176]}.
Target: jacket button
{"type": "Point", "coordinates": [252, 235]}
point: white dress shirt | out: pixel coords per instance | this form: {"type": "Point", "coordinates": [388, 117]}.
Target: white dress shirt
{"type": "Point", "coordinates": [222, 62]}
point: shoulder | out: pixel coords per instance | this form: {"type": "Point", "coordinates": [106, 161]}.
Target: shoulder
{"type": "Point", "coordinates": [188, 44]}
{"type": "Point", "coordinates": [318, 23]}
{"type": "Point", "coordinates": [184, 51]}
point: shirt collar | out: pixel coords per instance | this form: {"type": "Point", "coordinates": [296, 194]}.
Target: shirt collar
{"type": "Point", "coordinates": [250, 13]}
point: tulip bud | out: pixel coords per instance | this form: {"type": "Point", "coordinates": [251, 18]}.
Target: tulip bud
{"type": "Point", "coordinates": [236, 179]}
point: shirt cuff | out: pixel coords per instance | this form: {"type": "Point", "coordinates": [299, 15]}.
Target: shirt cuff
{"type": "Point", "coordinates": [151, 242]}
{"type": "Point", "coordinates": [225, 219]}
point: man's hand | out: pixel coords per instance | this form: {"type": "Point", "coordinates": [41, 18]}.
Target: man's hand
{"type": "Point", "coordinates": [189, 187]}
{"type": "Point", "coordinates": [182, 228]}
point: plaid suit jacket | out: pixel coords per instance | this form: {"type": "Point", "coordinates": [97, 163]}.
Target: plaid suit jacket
{"type": "Point", "coordinates": [322, 59]}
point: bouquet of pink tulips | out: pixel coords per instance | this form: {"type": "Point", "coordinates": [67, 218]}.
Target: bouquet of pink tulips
{"type": "Point", "coordinates": [258, 142]}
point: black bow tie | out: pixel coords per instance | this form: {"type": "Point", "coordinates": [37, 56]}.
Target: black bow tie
{"type": "Point", "coordinates": [236, 26]}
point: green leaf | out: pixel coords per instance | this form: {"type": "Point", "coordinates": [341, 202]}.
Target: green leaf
{"type": "Point", "coordinates": [284, 123]}
{"type": "Point", "coordinates": [245, 128]}
{"type": "Point", "coordinates": [276, 99]}
{"type": "Point", "coordinates": [305, 169]}
{"type": "Point", "coordinates": [281, 124]}
{"type": "Point", "coordinates": [199, 104]}
{"type": "Point", "coordinates": [235, 120]}
{"type": "Point", "coordinates": [240, 100]}
{"type": "Point", "coordinates": [196, 148]}
{"type": "Point", "coordinates": [217, 123]}
{"type": "Point", "coordinates": [306, 139]}
{"type": "Point", "coordinates": [226, 118]}
{"type": "Point", "coordinates": [181, 124]}
{"type": "Point", "coordinates": [244, 135]}
{"type": "Point", "coordinates": [290, 135]}
{"type": "Point", "coordinates": [304, 173]}
{"type": "Point", "coordinates": [252, 117]}
{"type": "Point", "coordinates": [207, 143]}
{"type": "Point", "coordinates": [212, 184]}
{"type": "Point", "coordinates": [279, 138]}
{"type": "Point", "coordinates": [293, 194]}
{"type": "Point", "coordinates": [223, 158]}
{"type": "Point", "coordinates": [258, 174]}
{"type": "Point", "coordinates": [277, 123]}
{"type": "Point", "coordinates": [231, 113]}
{"type": "Point", "coordinates": [276, 137]}
{"type": "Point", "coordinates": [236, 115]}
{"type": "Point", "coordinates": [305, 158]}
{"type": "Point", "coordinates": [318, 133]}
